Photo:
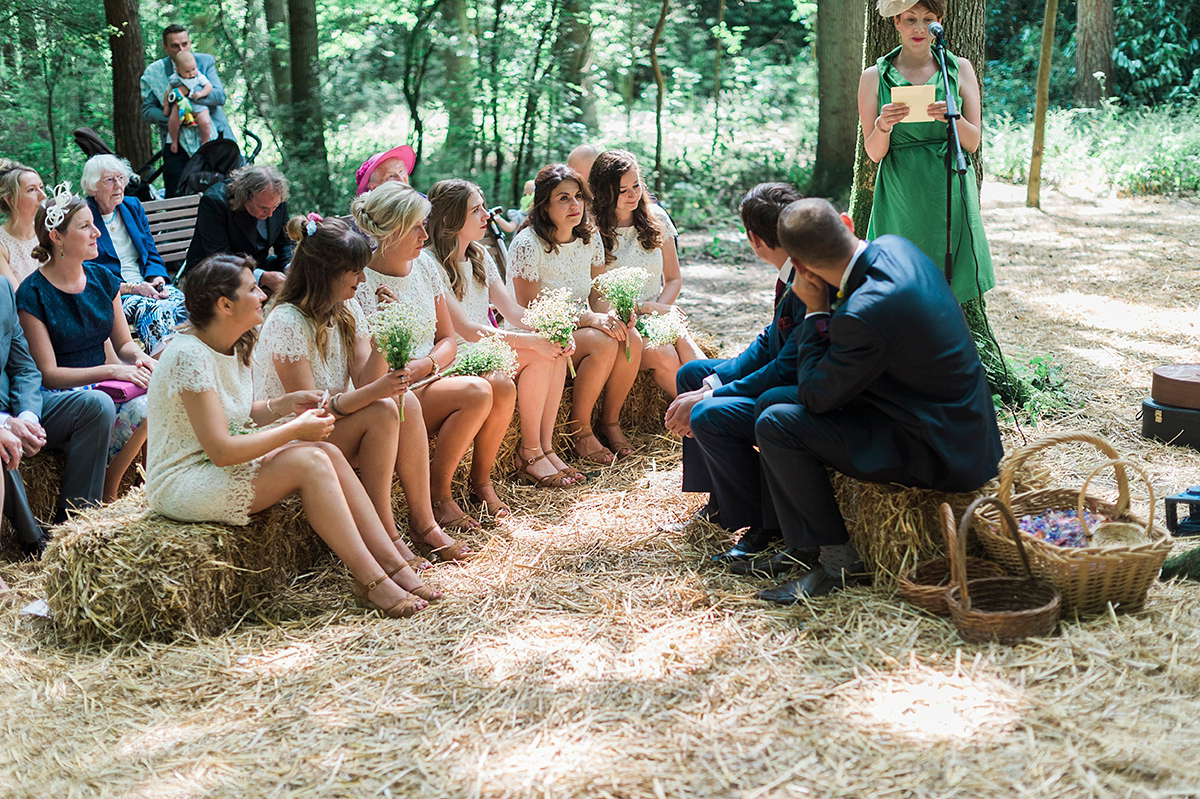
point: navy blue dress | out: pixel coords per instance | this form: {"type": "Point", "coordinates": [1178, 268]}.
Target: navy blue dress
{"type": "Point", "coordinates": [78, 324]}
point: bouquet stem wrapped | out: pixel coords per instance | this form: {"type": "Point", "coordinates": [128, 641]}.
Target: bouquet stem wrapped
{"type": "Point", "coordinates": [622, 289]}
{"type": "Point", "coordinates": [554, 316]}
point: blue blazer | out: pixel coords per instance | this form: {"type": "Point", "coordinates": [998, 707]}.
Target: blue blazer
{"type": "Point", "coordinates": [898, 346]}
{"type": "Point", "coordinates": [138, 227]}
{"type": "Point", "coordinates": [771, 360]}
{"type": "Point", "coordinates": [20, 380]}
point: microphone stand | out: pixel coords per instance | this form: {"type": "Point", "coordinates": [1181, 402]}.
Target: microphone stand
{"type": "Point", "coordinates": [955, 160]}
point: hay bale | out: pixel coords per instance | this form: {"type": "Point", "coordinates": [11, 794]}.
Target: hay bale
{"type": "Point", "coordinates": [120, 573]}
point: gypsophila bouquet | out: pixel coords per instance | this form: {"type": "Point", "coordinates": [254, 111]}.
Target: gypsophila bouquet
{"type": "Point", "coordinates": [553, 315]}
{"type": "Point", "coordinates": [489, 354]}
{"type": "Point", "coordinates": [395, 330]}
{"type": "Point", "coordinates": [622, 289]}
{"type": "Point", "coordinates": [659, 330]}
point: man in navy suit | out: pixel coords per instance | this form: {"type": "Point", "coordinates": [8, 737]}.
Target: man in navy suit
{"type": "Point", "coordinates": [715, 408]}
{"type": "Point", "coordinates": [246, 214]}
{"type": "Point", "coordinates": [889, 388]}
{"type": "Point", "coordinates": [78, 421]}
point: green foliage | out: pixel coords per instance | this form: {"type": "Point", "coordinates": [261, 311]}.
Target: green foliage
{"type": "Point", "coordinates": [1157, 52]}
{"type": "Point", "coordinates": [1151, 151]}
{"type": "Point", "coordinates": [1014, 41]}
{"type": "Point", "coordinates": [1043, 390]}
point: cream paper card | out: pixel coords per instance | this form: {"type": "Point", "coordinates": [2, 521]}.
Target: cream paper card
{"type": "Point", "coordinates": [918, 99]}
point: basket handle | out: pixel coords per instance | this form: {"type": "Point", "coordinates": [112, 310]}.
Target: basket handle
{"type": "Point", "coordinates": [1118, 466]}
{"type": "Point", "coordinates": [1009, 471]}
{"type": "Point", "coordinates": [958, 564]}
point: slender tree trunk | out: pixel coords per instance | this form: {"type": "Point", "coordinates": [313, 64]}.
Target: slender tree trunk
{"type": "Point", "coordinates": [458, 96]}
{"type": "Point", "coordinates": [522, 161]}
{"type": "Point", "coordinates": [966, 34]}
{"type": "Point", "coordinates": [308, 118]}
{"type": "Point", "coordinates": [275, 14]}
{"type": "Point", "coordinates": [839, 46]}
{"type": "Point", "coordinates": [1093, 50]}
{"type": "Point", "coordinates": [494, 90]}
{"type": "Point", "coordinates": [658, 104]}
{"type": "Point", "coordinates": [131, 134]}
{"type": "Point", "coordinates": [575, 53]}
{"type": "Point", "coordinates": [719, 35]}
{"type": "Point", "coordinates": [1034, 189]}
{"type": "Point", "coordinates": [879, 37]}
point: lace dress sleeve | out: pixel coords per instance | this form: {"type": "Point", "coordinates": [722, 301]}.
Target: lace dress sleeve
{"type": "Point", "coordinates": [664, 219]}
{"type": "Point", "coordinates": [187, 366]}
{"type": "Point", "coordinates": [286, 335]}
{"type": "Point", "coordinates": [491, 272]}
{"type": "Point", "coordinates": [525, 257]}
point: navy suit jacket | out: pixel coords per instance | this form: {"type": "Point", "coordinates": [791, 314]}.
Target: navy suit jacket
{"type": "Point", "coordinates": [20, 380]}
{"type": "Point", "coordinates": [221, 229]}
{"type": "Point", "coordinates": [770, 361]}
{"type": "Point", "coordinates": [138, 228]}
{"type": "Point", "coordinates": [898, 345]}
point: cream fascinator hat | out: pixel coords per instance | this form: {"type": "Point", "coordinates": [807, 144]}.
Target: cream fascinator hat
{"type": "Point", "coordinates": [890, 8]}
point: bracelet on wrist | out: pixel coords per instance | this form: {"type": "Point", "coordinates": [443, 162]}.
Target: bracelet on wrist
{"type": "Point", "coordinates": [880, 128]}
{"type": "Point", "coordinates": [436, 367]}
{"type": "Point", "coordinates": [333, 404]}
{"type": "Point", "coordinates": [274, 412]}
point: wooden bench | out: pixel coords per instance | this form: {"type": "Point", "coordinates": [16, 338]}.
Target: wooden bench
{"type": "Point", "coordinates": [172, 223]}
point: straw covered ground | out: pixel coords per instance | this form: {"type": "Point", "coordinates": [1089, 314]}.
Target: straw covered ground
{"type": "Point", "coordinates": [585, 654]}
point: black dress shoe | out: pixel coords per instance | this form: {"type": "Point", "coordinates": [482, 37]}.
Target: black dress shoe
{"type": "Point", "coordinates": [813, 583]}
{"type": "Point", "coordinates": [785, 560]}
{"type": "Point", "coordinates": [708, 513]}
{"type": "Point", "coordinates": [754, 541]}
{"type": "Point", "coordinates": [35, 550]}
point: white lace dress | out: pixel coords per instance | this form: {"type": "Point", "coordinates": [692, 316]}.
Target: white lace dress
{"type": "Point", "coordinates": [571, 266]}
{"type": "Point", "coordinates": [181, 481]}
{"type": "Point", "coordinates": [417, 293]}
{"type": "Point", "coordinates": [289, 335]}
{"type": "Point", "coordinates": [629, 252]}
{"type": "Point", "coordinates": [476, 300]}
{"type": "Point", "coordinates": [20, 254]}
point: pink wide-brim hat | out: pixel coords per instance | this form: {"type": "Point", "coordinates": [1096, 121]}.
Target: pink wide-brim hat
{"type": "Point", "coordinates": [405, 153]}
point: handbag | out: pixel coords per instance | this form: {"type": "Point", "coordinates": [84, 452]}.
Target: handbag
{"type": "Point", "coordinates": [120, 390]}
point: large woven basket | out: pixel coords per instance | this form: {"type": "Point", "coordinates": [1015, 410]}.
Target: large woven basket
{"type": "Point", "coordinates": [1001, 609]}
{"type": "Point", "coordinates": [925, 585]}
{"type": "Point", "coordinates": [1090, 578]}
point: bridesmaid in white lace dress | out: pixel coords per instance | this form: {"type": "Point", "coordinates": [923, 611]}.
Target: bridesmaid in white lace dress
{"type": "Point", "coordinates": [21, 192]}
{"type": "Point", "coordinates": [559, 247]}
{"type": "Point", "coordinates": [206, 464]}
{"type": "Point", "coordinates": [455, 409]}
{"type": "Point", "coordinates": [639, 233]}
{"type": "Point", "coordinates": [457, 221]}
{"type": "Point", "coordinates": [315, 337]}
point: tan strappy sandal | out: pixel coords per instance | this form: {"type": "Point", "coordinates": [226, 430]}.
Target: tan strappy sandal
{"type": "Point", "coordinates": [525, 477]}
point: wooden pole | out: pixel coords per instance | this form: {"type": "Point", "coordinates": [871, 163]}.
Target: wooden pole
{"type": "Point", "coordinates": [1033, 192]}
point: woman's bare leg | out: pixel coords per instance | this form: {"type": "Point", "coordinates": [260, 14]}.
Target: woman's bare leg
{"type": "Point", "coordinates": [662, 363]}
{"type": "Point", "coordinates": [688, 350]}
{"type": "Point", "coordinates": [455, 408]}
{"type": "Point", "coordinates": [121, 463]}
{"type": "Point", "coordinates": [534, 384]}
{"type": "Point", "coordinates": [595, 358]}
{"type": "Point", "coordinates": [338, 508]}
{"type": "Point", "coordinates": [616, 390]}
{"type": "Point", "coordinates": [488, 441]}
{"type": "Point", "coordinates": [549, 421]}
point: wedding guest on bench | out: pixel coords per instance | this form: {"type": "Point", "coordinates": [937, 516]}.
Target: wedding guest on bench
{"type": "Point", "coordinates": [890, 388]}
{"type": "Point", "coordinates": [246, 214]}
{"type": "Point", "coordinates": [207, 463]}
{"type": "Point", "coordinates": [69, 310]}
{"type": "Point", "coordinates": [126, 248]}
{"type": "Point", "coordinates": [21, 193]}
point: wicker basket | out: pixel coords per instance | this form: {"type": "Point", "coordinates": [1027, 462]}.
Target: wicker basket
{"type": "Point", "coordinates": [1090, 578]}
{"type": "Point", "coordinates": [1001, 609]}
{"type": "Point", "coordinates": [925, 585]}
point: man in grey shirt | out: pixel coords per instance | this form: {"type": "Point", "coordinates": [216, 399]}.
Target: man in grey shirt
{"type": "Point", "coordinates": [156, 81]}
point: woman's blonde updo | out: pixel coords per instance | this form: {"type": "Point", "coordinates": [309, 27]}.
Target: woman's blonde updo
{"type": "Point", "coordinates": [392, 209]}
{"type": "Point", "coordinates": [10, 184]}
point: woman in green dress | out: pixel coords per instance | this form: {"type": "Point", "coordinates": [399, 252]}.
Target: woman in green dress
{"type": "Point", "coordinates": [910, 189]}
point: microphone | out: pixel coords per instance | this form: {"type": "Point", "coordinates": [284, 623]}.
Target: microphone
{"type": "Point", "coordinates": [936, 31]}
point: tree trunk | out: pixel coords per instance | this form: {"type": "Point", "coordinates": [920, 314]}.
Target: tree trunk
{"type": "Point", "coordinates": [458, 96]}
{"type": "Point", "coordinates": [966, 33]}
{"type": "Point", "coordinates": [839, 45]}
{"type": "Point", "coordinates": [1034, 189]}
{"type": "Point", "coordinates": [311, 168]}
{"type": "Point", "coordinates": [1093, 50]}
{"type": "Point", "coordinates": [879, 37]}
{"type": "Point", "coordinates": [131, 134]}
{"type": "Point", "coordinates": [574, 48]}
{"type": "Point", "coordinates": [719, 32]}
{"type": "Point", "coordinates": [275, 14]}
{"type": "Point", "coordinates": [497, 143]}
{"type": "Point", "coordinates": [658, 81]}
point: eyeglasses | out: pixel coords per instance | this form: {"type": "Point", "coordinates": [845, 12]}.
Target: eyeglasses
{"type": "Point", "coordinates": [113, 180]}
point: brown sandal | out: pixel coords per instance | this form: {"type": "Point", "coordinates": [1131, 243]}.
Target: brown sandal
{"type": "Point", "coordinates": [499, 511]}
{"type": "Point", "coordinates": [460, 524]}
{"type": "Point", "coordinates": [601, 457]}
{"type": "Point", "coordinates": [524, 477]}
{"type": "Point", "coordinates": [457, 551]}
{"type": "Point", "coordinates": [401, 610]}
{"type": "Point", "coordinates": [416, 562]}
{"type": "Point", "coordinates": [619, 445]}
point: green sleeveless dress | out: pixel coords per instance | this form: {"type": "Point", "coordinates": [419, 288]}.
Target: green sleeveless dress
{"type": "Point", "coordinates": [910, 191]}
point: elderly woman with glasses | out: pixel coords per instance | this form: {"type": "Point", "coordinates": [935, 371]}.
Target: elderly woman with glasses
{"type": "Point", "coordinates": [126, 249]}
